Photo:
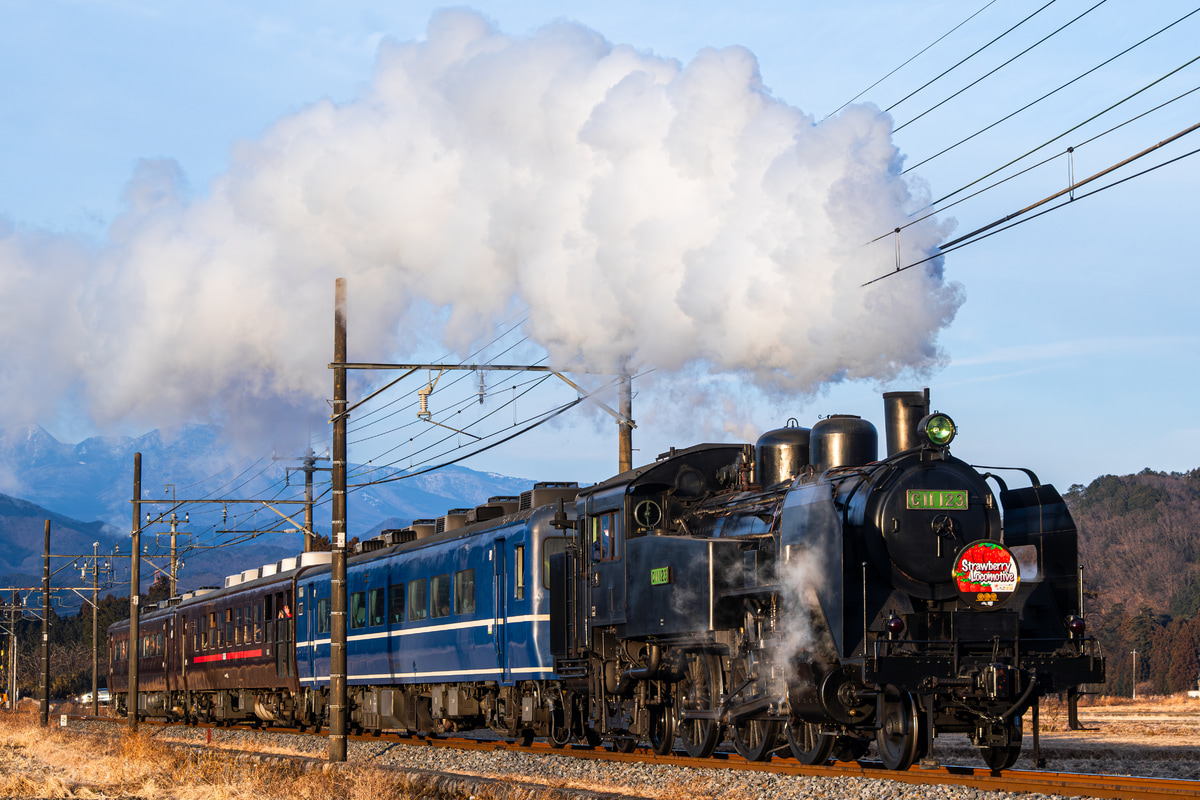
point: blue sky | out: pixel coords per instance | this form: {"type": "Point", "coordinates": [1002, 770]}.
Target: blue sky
{"type": "Point", "coordinates": [1074, 348]}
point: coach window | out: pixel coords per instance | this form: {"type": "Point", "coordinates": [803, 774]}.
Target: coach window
{"type": "Point", "coordinates": [376, 608]}
{"type": "Point", "coordinates": [519, 568]}
{"type": "Point", "coordinates": [323, 615]}
{"type": "Point", "coordinates": [464, 592]}
{"type": "Point", "coordinates": [237, 626]}
{"type": "Point", "coordinates": [214, 633]}
{"type": "Point", "coordinates": [418, 602]}
{"type": "Point", "coordinates": [549, 548]}
{"type": "Point", "coordinates": [440, 589]}
{"type": "Point", "coordinates": [396, 603]}
{"type": "Point", "coordinates": [358, 610]}
{"type": "Point", "coordinates": [258, 618]}
{"type": "Point", "coordinates": [246, 634]}
{"type": "Point", "coordinates": [604, 537]}
{"type": "Point", "coordinates": [228, 627]}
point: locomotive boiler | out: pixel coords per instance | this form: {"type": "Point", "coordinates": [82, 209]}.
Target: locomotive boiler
{"type": "Point", "coordinates": [797, 597]}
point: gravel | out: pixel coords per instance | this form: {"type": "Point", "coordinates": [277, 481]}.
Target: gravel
{"type": "Point", "coordinates": [600, 778]}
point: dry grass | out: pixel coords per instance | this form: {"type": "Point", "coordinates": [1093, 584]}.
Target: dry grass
{"type": "Point", "coordinates": [55, 763]}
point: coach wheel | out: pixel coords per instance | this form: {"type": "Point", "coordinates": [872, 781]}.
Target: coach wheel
{"type": "Point", "coordinates": [662, 729]}
{"type": "Point", "coordinates": [754, 739]}
{"type": "Point", "coordinates": [808, 744]}
{"type": "Point", "coordinates": [699, 690]}
{"type": "Point", "coordinates": [525, 736]}
{"type": "Point", "coordinates": [899, 735]}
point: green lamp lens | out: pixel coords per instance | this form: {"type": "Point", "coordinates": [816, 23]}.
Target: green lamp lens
{"type": "Point", "coordinates": [940, 430]}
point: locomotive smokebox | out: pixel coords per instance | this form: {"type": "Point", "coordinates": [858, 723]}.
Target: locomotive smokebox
{"type": "Point", "coordinates": [902, 411]}
{"type": "Point", "coordinates": [842, 440]}
{"type": "Point", "coordinates": [781, 454]}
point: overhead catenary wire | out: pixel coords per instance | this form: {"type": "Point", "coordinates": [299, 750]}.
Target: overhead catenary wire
{"type": "Point", "coordinates": [936, 207]}
{"type": "Point", "coordinates": [913, 58]}
{"type": "Point", "coordinates": [373, 467]}
{"type": "Point", "coordinates": [993, 227]}
{"type": "Point", "coordinates": [992, 72]}
{"type": "Point", "coordinates": [1054, 91]}
{"type": "Point", "coordinates": [555, 413]}
{"type": "Point", "coordinates": [941, 75]}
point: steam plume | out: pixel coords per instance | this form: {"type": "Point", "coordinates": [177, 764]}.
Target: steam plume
{"type": "Point", "coordinates": [635, 205]}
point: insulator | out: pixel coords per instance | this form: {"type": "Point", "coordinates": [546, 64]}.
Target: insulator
{"type": "Point", "coordinates": [423, 397]}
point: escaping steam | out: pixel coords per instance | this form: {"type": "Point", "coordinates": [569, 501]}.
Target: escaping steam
{"type": "Point", "coordinates": [635, 206]}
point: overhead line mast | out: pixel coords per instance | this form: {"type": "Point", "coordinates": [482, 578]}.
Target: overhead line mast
{"type": "Point", "coordinates": [341, 412]}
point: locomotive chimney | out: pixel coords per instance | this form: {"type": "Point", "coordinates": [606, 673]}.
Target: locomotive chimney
{"type": "Point", "coordinates": [902, 411]}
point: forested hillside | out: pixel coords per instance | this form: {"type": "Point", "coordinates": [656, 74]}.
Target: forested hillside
{"type": "Point", "coordinates": [1140, 544]}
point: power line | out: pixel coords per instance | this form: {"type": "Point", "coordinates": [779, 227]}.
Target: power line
{"type": "Point", "coordinates": [560, 410]}
{"type": "Point", "coordinates": [1048, 159]}
{"type": "Point", "coordinates": [1029, 105]}
{"type": "Point", "coordinates": [983, 77]}
{"type": "Point", "coordinates": [913, 58]}
{"type": "Point", "coordinates": [972, 55]}
{"type": "Point", "coordinates": [987, 230]}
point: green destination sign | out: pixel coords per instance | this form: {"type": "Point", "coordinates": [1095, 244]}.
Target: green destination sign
{"type": "Point", "coordinates": [660, 576]}
{"type": "Point", "coordinates": [937, 498]}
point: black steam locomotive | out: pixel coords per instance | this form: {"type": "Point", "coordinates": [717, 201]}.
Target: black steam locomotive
{"type": "Point", "coordinates": [798, 596]}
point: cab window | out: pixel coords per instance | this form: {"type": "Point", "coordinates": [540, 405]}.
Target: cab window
{"type": "Point", "coordinates": [605, 537]}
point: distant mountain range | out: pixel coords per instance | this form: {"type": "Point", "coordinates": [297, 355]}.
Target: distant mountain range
{"type": "Point", "coordinates": [42, 478]}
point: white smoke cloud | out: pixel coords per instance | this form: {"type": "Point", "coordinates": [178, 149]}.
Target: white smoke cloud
{"type": "Point", "coordinates": [636, 206]}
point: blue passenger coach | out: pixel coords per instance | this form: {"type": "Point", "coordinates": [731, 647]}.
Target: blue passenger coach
{"type": "Point", "coordinates": [448, 630]}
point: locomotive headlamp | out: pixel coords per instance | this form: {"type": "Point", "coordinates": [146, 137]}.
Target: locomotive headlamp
{"type": "Point", "coordinates": [937, 429]}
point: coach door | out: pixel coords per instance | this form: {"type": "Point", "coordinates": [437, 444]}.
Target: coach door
{"type": "Point", "coordinates": [282, 608]}
{"type": "Point", "coordinates": [168, 654]}
{"type": "Point", "coordinates": [500, 595]}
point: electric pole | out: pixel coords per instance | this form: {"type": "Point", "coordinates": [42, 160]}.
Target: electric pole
{"type": "Point", "coordinates": [309, 459]}
{"type": "Point", "coordinates": [44, 703]}
{"type": "Point", "coordinates": [625, 420]}
{"type": "Point", "coordinates": [337, 627]}
{"type": "Point", "coordinates": [135, 579]}
{"type": "Point", "coordinates": [95, 628]}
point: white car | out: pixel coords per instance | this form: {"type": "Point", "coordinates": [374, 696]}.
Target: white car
{"type": "Point", "coordinates": [102, 694]}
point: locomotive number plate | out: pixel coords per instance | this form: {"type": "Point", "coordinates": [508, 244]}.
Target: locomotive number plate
{"type": "Point", "coordinates": [936, 498]}
{"type": "Point", "coordinates": [660, 576]}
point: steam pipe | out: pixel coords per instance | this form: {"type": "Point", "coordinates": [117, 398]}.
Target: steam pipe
{"type": "Point", "coordinates": [635, 674]}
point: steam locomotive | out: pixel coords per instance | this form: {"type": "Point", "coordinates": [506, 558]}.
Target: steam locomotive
{"type": "Point", "coordinates": [799, 596]}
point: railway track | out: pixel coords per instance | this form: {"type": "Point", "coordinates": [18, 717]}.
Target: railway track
{"type": "Point", "coordinates": [982, 779]}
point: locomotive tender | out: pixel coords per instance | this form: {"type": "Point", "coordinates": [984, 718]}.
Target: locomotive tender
{"type": "Point", "coordinates": [800, 596]}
